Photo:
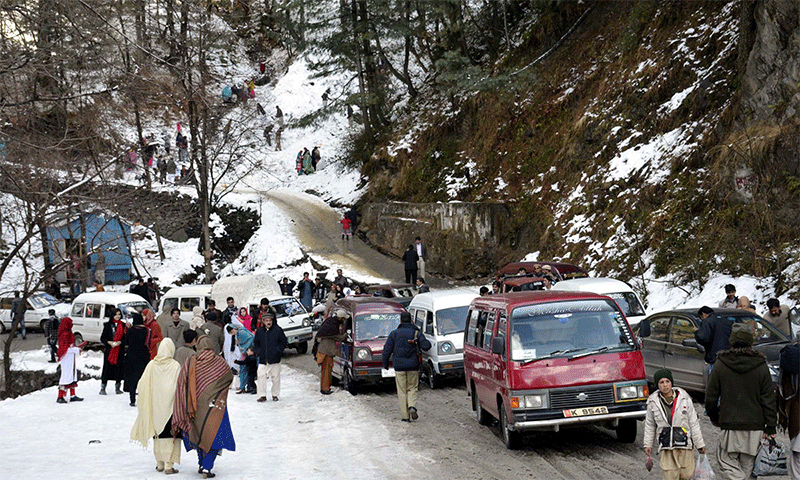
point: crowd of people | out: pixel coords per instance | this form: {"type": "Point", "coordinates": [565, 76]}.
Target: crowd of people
{"type": "Point", "coordinates": [306, 162]}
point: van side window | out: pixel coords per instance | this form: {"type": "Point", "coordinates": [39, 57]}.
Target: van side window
{"type": "Point", "coordinates": [419, 318]}
{"type": "Point", "coordinates": [93, 310]}
{"type": "Point", "coordinates": [429, 323]}
{"type": "Point", "coordinates": [187, 304]}
{"type": "Point", "coordinates": [469, 330]}
{"type": "Point", "coordinates": [5, 303]}
{"type": "Point", "coordinates": [501, 328]}
{"type": "Point", "coordinates": [169, 304]}
{"type": "Point", "coordinates": [480, 328]}
{"type": "Point", "coordinates": [487, 331]}
{"type": "Point", "coordinates": [77, 310]}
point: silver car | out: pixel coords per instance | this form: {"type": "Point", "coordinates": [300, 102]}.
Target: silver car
{"type": "Point", "coordinates": [667, 340]}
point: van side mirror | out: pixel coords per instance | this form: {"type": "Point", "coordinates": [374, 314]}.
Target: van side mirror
{"type": "Point", "coordinates": [692, 343]}
{"type": "Point", "coordinates": [498, 345]}
{"type": "Point", "coordinates": [349, 336]}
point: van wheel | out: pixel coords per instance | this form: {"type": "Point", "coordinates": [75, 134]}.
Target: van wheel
{"type": "Point", "coordinates": [511, 438]}
{"type": "Point", "coordinates": [348, 383]}
{"type": "Point", "coordinates": [626, 430]}
{"type": "Point", "coordinates": [302, 348]}
{"type": "Point", "coordinates": [78, 339]}
{"type": "Point", "coordinates": [481, 415]}
{"type": "Point", "coordinates": [434, 379]}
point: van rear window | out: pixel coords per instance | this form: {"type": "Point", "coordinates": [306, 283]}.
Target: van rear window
{"type": "Point", "coordinates": [566, 329]}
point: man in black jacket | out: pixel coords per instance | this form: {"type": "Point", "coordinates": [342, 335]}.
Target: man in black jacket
{"type": "Point", "coordinates": [714, 334]}
{"type": "Point", "coordinates": [268, 344]}
{"type": "Point", "coordinates": [402, 347]}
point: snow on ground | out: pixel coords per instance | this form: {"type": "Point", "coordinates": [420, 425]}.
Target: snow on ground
{"type": "Point", "coordinates": [304, 435]}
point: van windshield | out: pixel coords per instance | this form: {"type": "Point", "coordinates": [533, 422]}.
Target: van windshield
{"type": "Point", "coordinates": [628, 302]}
{"type": "Point", "coordinates": [375, 325]}
{"type": "Point", "coordinates": [566, 329]}
{"type": "Point", "coordinates": [287, 307]}
{"type": "Point", "coordinates": [41, 300]}
{"type": "Point", "coordinates": [451, 320]}
{"type": "Point", "coordinates": [128, 308]}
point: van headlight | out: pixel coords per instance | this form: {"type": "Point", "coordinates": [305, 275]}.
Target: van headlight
{"type": "Point", "coordinates": [535, 401]}
{"type": "Point", "coordinates": [307, 322]}
{"type": "Point", "coordinates": [446, 348]}
{"type": "Point", "coordinates": [363, 354]}
{"type": "Point", "coordinates": [629, 392]}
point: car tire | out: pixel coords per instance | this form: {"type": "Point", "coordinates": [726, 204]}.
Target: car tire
{"type": "Point", "coordinates": [481, 415]}
{"type": "Point", "coordinates": [43, 325]}
{"type": "Point", "coordinates": [434, 379]}
{"type": "Point", "coordinates": [348, 383]}
{"type": "Point", "coordinates": [302, 348]}
{"type": "Point", "coordinates": [626, 430]}
{"type": "Point", "coordinates": [511, 439]}
{"type": "Point", "coordinates": [78, 339]}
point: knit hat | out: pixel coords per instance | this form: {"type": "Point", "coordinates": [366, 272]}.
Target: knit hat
{"type": "Point", "coordinates": [663, 373]}
{"type": "Point", "coordinates": [741, 336]}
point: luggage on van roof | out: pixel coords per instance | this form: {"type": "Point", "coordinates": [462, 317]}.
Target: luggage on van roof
{"type": "Point", "coordinates": [562, 271]}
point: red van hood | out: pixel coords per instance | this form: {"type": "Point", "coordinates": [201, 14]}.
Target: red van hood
{"type": "Point", "coordinates": [375, 346]}
{"type": "Point", "coordinates": [593, 369]}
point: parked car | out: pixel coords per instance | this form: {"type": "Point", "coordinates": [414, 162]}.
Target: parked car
{"type": "Point", "coordinates": [369, 322]}
{"type": "Point", "coordinates": [544, 360]}
{"type": "Point", "coordinates": [441, 316]}
{"type": "Point", "coordinates": [36, 314]}
{"type": "Point", "coordinates": [668, 341]}
{"type": "Point", "coordinates": [401, 293]}
{"type": "Point", "coordinates": [522, 284]}
{"type": "Point", "coordinates": [630, 303]}
{"type": "Point", "coordinates": [90, 310]}
{"type": "Point", "coordinates": [248, 290]}
{"type": "Point", "coordinates": [185, 298]}
{"type": "Point", "coordinates": [560, 270]}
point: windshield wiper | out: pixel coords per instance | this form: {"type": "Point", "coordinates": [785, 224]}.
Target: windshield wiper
{"type": "Point", "coordinates": [590, 352]}
{"type": "Point", "coordinates": [551, 355]}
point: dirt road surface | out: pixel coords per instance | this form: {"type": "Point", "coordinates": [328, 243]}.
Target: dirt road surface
{"type": "Point", "coordinates": [447, 434]}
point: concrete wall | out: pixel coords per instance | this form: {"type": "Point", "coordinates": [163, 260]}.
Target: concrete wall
{"type": "Point", "coordinates": [463, 239]}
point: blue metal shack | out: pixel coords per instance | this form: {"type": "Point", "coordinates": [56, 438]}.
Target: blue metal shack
{"type": "Point", "coordinates": [103, 232]}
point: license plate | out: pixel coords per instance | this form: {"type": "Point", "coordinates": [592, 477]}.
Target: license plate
{"type": "Point", "coordinates": [387, 373]}
{"type": "Point", "coordinates": [585, 411]}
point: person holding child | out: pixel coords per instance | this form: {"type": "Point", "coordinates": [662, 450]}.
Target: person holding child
{"type": "Point", "coordinates": [671, 418]}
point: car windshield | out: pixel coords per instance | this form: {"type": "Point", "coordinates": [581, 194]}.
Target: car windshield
{"type": "Point", "coordinates": [41, 300]}
{"type": "Point", "coordinates": [128, 308]}
{"type": "Point", "coordinates": [375, 325]}
{"type": "Point", "coordinates": [565, 328]}
{"type": "Point", "coordinates": [451, 320]}
{"type": "Point", "coordinates": [628, 302]}
{"type": "Point", "coordinates": [287, 307]}
{"type": "Point", "coordinates": [763, 331]}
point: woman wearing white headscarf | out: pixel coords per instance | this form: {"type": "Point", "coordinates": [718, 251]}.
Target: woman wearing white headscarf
{"type": "Point", "coordinates": [156, 402]}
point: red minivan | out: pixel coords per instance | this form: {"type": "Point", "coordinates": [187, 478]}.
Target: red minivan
{"type": "Point", "coordinates": [541, 360]}
{"type": "Point", "coordinates": [369, 322]}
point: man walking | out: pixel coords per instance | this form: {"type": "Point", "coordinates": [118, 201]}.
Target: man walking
{"type": "Point", "coordinates": [268, 344]}
{"type": "Point", "coordinates": [740, 399]}
{"type": "Point", "coordinates": [18, 313]}
{"type": "Point", "coordinates": [402, 348]}
{"type": "Point", "coordinates": [410, 258]}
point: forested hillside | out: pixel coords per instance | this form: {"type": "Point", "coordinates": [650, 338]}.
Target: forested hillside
{"type": "Point", "coordinates": [634, 138]}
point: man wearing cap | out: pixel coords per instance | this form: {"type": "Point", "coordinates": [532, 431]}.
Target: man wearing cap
{"type": "Point", "coordinates": [730, 300]}
{"type": "Point", "coordinates": [740, 400]}
{"type": "Point", "coordinates": [402, 348]}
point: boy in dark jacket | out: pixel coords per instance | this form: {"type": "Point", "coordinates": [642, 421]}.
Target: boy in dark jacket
{"type": "Point", "coordinates": [402, 348]}
{"type": "Point", "coordinates": [268, 344]}
{"type": "Point", "coordinates": [51, 332]}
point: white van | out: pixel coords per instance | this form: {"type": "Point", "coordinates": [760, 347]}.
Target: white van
{"type": "Point", "coordinates": [628, 301]}
{"type": "Point", "coordinates": [248, 290]}
{"type": "Point", "coordinates": [441, 316]}
{"type": "Point", "coordinates": [36, 314]}
{"type": "Point", "coordinates": [185, 299]}
{"type": "Point", "coordinates": [90, 310]}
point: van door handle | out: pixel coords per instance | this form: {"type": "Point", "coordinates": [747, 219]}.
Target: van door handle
{"type": "Point", "coordinates": [670, 353]}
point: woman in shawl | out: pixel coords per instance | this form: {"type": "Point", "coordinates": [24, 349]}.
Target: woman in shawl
{"type": "Point", "coordinates": [201, 411]}
{"type": "Point", "coordinates": [156, 404]}
{"type": "Point", "coordinates": [246, 320]}
{"type": "Point", "coordinates": [136, 354]}
{"type": "Point", "coordinates": [155, 331]}
{"type": "Point", "coordinates": [244, 340]}
{"type": "Point", "coordinates": [307, 167]}
{"type": "Point", "coordinates": [67, 354]}
{"type": "Point", "coordinates": [197, 320]}
{"type": "Point", "coordinates": [113, 332]}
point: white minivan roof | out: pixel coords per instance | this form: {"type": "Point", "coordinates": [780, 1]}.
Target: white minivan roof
{"type": "Point", "coordinates": [245, 289]}
{"type": "Point", "coordinates": [188, 290]}
{"type": "Point", "coordinates": [108, 297]}
{"type": "Point", "coordinates": [601, 285]}
{"type": "Point", "coordinates": [440, 299]}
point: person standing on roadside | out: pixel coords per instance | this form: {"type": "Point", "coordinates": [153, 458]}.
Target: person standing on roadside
{"type": "Point", "coordinates": [113, 352]}
{"type": "Point", "coordinates": [740, 400]}
{"type": "Point", "coordinates": [410, 258]}
{"type": "Point", "coordinates": [18, 313]}
{"type": "Point", "coordinates": [329, 333]}
{"type": "Point", "coordinates": [672, 420]}
{"type": "Point", "coordinates": [268, 344]}
{"type": "Point", "coordinates": [422, 287]}
{"type": "Point", "coordinates": [67, 355]}
{"type": "Point", "coordinates": [51, 333]}
{"type": "Point", "coordinates": [187, 350]}
{"type": "Point", "coordinates": [778, 315]}
{"type": "Point", "coordinates": [402, 348]}
{"type": "Point", "coordinates": [305, 290]}
{"type": "Point", "coordinates": [156, 406]}
{"type": "Point", "coordinates": [175, 328]}
{"type": "Point", "coordinates": [714, 334]}
{"type": "Point", "coordinates": [730, 300]}
{"type": "Point", "coordinates": [422, 253]}
{"type": "Point", "coordinates": [137, 354]}
{"type": "Point", "coordinates": [212, 329]}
